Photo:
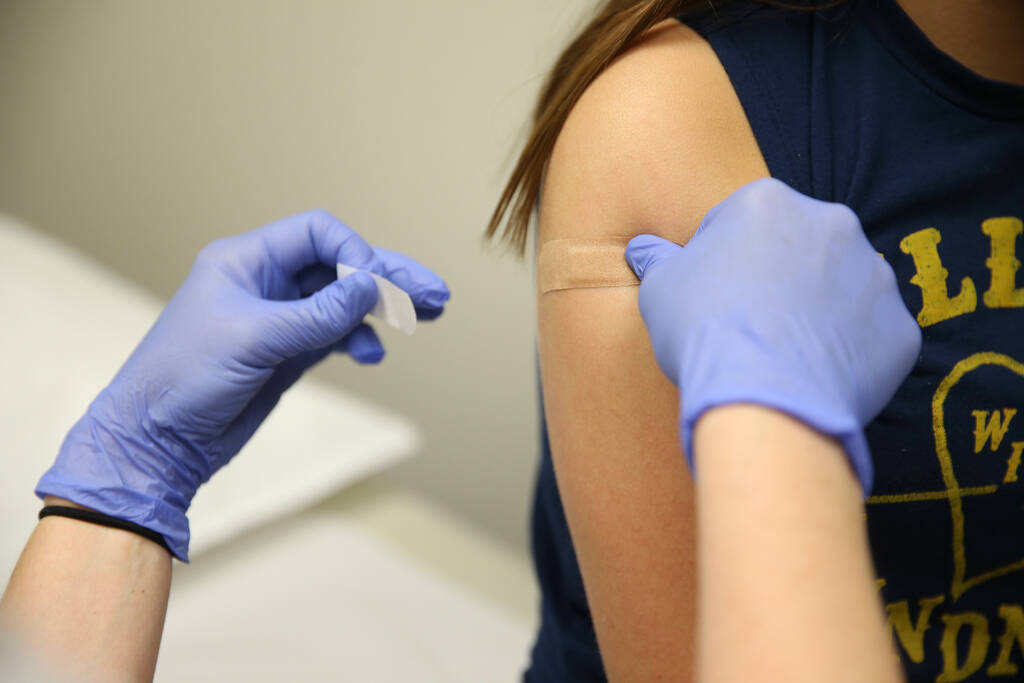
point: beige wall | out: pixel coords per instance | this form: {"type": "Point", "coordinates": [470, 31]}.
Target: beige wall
{"type": "Point", "coordinates": [140, 130]}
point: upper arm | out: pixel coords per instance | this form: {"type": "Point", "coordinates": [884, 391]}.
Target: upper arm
{"type": "Point", "coordinates": [657, 140]}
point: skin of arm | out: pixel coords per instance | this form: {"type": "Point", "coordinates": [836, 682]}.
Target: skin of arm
{"type": "Point", "coordinates": [657, 140]}
{"type": "Point", "coordinates": [95, 594]}
{"type": "Point", "coordinates": [784, 556]}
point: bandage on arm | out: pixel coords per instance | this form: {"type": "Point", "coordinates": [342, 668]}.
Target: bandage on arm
{"type": "Point", "coordinates": [639, 153]}
{"type": "Point", "coordinates": [584, 263]}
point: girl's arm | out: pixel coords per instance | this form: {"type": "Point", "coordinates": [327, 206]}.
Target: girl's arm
{"type": "Point", "coordinates": [653, 144]}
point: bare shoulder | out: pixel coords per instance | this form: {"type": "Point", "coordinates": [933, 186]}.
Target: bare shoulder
{"type": "Point", "coordinates": [655, 141]}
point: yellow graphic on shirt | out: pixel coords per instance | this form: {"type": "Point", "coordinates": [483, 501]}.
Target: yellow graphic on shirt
{"type": "Point", "coordinates": [910, 632]}
{"type": "Point", "coordinates": [987, 427]}
{"type": "Point", "coordinates": [1013, 617]}
{"type": "Point", "coordinates": [976, 651]}
{"type": "Point", "coordinates": [994, 432]}
{"type": "Point", "coordinates": [1003, 263]}
{"type": "Point", "coordinates": [908, 623]}
{"type": "Point", "coordinates": [970, 627]}
{"type": "Point", "coordinates": [1013, 464]}
{"type": "Point", "coordinates": [931, 277]}
{"type": "Point", "coordinates": [969, 643]}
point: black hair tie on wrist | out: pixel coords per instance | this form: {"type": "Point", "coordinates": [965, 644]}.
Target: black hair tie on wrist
{"type": "Point", "coordinates": [103, 520]}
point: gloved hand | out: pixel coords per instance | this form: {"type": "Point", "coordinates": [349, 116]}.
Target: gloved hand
{"type": "Point", "coordinates": [778, 300]}
{"type": "Point", "coordinates": [256, 311]}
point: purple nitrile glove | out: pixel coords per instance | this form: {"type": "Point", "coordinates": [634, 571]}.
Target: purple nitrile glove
{"type": "Point", "coordinates": [779, 300]}
{"type": "Point", "coordinates": [256, 311]}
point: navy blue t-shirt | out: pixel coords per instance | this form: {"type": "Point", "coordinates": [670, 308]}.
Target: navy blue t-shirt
{"type": "Point", "coordinates": [855, 105]}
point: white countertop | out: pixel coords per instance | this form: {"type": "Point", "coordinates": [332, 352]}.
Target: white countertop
{"type": "Point", "coordinates": [374, 585]}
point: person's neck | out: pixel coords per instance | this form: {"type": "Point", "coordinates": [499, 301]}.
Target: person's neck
{"type": "Point", "coordinates": [986, 36]}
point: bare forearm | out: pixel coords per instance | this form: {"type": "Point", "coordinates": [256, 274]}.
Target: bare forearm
{"type": "Point", "coordinates": [787, 591]}
{"type": "Point", "coordinates": [91, 597]}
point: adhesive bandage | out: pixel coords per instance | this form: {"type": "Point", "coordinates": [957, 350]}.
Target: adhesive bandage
{"type": "Point", "coordinates": [394, 306]}
{"type": "Point", "coordinates": [582, 263]}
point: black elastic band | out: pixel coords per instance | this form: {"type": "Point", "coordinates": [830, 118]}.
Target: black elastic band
{"type": "Point", "coordinates": [104, 520]}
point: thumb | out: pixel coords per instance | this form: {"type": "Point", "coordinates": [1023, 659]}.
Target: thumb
{"type": "Point", "coordinates": [324, 318]}
{"type": "Point", "coordinates": [644, 251]}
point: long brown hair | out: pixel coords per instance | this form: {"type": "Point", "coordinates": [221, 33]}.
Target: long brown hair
{"type": "Point", "coordinates": [616, 25]}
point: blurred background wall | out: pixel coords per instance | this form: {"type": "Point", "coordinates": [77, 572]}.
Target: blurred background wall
{"type": "Point", "coordinates": [139, 130]}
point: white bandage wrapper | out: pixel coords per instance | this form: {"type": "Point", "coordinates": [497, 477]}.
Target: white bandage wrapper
{"type": "Point", "coordinates": [394, 306]}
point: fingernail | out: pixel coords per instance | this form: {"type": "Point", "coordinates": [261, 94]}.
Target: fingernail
{"type": "Point", "coordinates": [437, 299]}
{"type": "Point", "coordinates": [371, 356]}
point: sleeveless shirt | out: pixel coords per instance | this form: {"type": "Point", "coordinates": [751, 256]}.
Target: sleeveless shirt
{"type": "Point", "coordinates": [856, 105]}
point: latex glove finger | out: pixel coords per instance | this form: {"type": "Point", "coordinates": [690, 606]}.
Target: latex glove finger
{"type": "Point", "coordinates": [310, 238]}
{"type": "Point", "coordinates": [318, 237]}
{"type": "Point", "coordinates": [297, 245]}
{"type": "Point", "coordinates": [363, 345]}
{"type": "Point", "coordinates": [645, 251]}
{"type": "Point", "coordinates": [427, 290]}
{"type": "Point", "coordinates": [320, 320]}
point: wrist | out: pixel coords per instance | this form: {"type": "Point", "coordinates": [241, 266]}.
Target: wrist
{"type": "Point", "coordinates": [756, 418]}
{"type": "Point", "coordinates": [114, 467]}
{"type": "Point", "coordinates": [749, 374]}
{"type": "Point", "coordinates": [62, 502]}
{"type": "Point", "coordinates": [765, 425]}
